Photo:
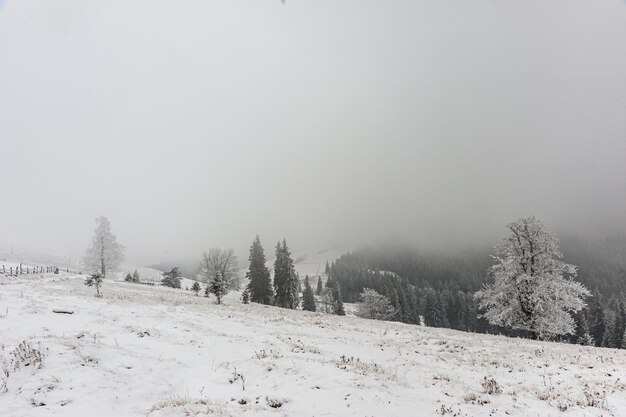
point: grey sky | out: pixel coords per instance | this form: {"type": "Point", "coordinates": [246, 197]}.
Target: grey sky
{"type": "Point", "coordinates": [194, 124]}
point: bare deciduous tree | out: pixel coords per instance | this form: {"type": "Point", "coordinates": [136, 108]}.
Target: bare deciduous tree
{"type": "Point", "coordinates": [223, 262]}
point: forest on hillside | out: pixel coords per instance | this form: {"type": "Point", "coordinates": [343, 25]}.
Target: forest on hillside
{"type": "Point", "coordinates": [440, 287]}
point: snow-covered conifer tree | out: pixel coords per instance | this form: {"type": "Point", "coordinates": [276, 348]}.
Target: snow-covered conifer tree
{"type": "Point", "coordinates": [285, 278]}
{"type": "Point", "coordinates": [335, 295]}
{"type": "Point", "coordinates": [172, 278]}
{"type": "Point", "coordinates": [260, 283]}
{"type": "Point", "coordinates": [308, 298]}
{"type": "Point", "coordinates": [195, 287]}
{"type": "Point", "coordinates": [218, 287]}
{"type": "Point", "coordinates": [596, 319]}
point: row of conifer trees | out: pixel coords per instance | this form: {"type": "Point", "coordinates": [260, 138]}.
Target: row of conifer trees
{"type": "Point", "coordinates": [285, 289]}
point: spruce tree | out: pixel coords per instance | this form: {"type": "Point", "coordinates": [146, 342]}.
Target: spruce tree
{"type": "Point", "coordinates": [596, 320]}
{"type": "Point", "coordinates": [195, 287]}
{"type": "Point", "coordinates": [308, 299]}
{"type": "Point", "coordinates": [329, 282]}
{"type": "Point", "coordinates": [319, 286]}
{"type": "Point", "coordinates": [440, 317]}
{"type": "Point", "coordinates": [327, 269]}
{"type": "Point", "coordinates": [336, 300]}
{"type": "Point", "coordinates": [260, 284]}
{"type": "Point", "coordinates": [618, 326]}
{"type": "Point", "coordinates": [285, 278]}
{"type": "Point", "coordinates": [583, 336]}
{"type": "Point", "coordinates": [245, 297]}
{"type": "Point", "coordinates": [172, 278]}
{"type": "Point", "coordinates": [609, 331]}
{"type": "Point", "coordinates": [136, 276]}
{"type": "Point", "coordinates": [218, 287]}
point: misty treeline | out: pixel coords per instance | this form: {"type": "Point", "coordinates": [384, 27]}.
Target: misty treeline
{"type": "Point", "coordinates": [439, 290]}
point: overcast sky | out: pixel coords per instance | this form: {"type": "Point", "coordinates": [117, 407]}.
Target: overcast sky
{"type": "Point", "coordinates": [193, 124]}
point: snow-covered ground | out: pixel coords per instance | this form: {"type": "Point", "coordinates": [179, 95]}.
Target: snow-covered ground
{"type": "Point", "coordinates": [314, 264]}
{"type": "Point", "coordinates": [154, 351]}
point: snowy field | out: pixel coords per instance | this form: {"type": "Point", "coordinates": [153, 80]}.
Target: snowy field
{"type": "Point", "coordinates": [153, 351]}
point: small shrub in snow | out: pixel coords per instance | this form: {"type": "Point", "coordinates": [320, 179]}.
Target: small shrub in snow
{"type": "Point", "coordinates": [4, 372]}
{"type": "Point", "coordinates": [26, 355]}
{"type": "Point", "coordinates": [490, 386]}
{"type": "Point", "coordinates": [593, 398]}
{"type": "Point", "coordinates": [22, 356]}
{"type": "Point", "coordinates": [356, 365]}
{"type": "Point", "coordinates": [444, 410]}
{"type": "Point", "coordinates": [470, 398]}
{"type": "Point", "coordinates": [95, 280]}
{"type": "Point", "coordinates": [274, 402]}
{"type": "Point", "coordinates": [238, 376]}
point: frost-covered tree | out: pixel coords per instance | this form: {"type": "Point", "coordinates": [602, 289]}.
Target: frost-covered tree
{"type": "Point", "coordinates": [104, 254]}
{"type": "Point", "coordinates": [195, 287]}
{"type": "Point", "coordinates": [260, 282]}
{"type": "Point", "coordinates": [285, 278]}
{"type": "Point", "coordinates": [375, 306]}
{"type": "Point", "coordinates": [223, 262]}
{"type": "Point", "coordinates": [172, 278]}
{"type": "Point", "coordinates": [308, 298]}
{"type": "Point", "coordinates": [320, 287]}
{"type": "Point", "coordinates": [533, 289]}
{"type": "Point", "coordinates": [245, 296]}
{"type": "Point", "coordinates": [136, 276]}
{"type": "Point", "coordinates": [218, 287]}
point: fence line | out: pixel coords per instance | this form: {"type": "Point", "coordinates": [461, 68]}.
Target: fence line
{"type": "Point", "coordinates": [21, 270]}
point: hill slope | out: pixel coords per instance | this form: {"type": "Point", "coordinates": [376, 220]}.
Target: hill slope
{"type": "Point", "coordinates": [159, 352]}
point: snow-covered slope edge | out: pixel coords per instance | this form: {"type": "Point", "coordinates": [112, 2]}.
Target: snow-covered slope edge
{"type": "Point", "coordinates": [155, 351]}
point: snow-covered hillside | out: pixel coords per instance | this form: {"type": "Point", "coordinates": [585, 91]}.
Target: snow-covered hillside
{"type": "Point", "coordinates": [154, 351]}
